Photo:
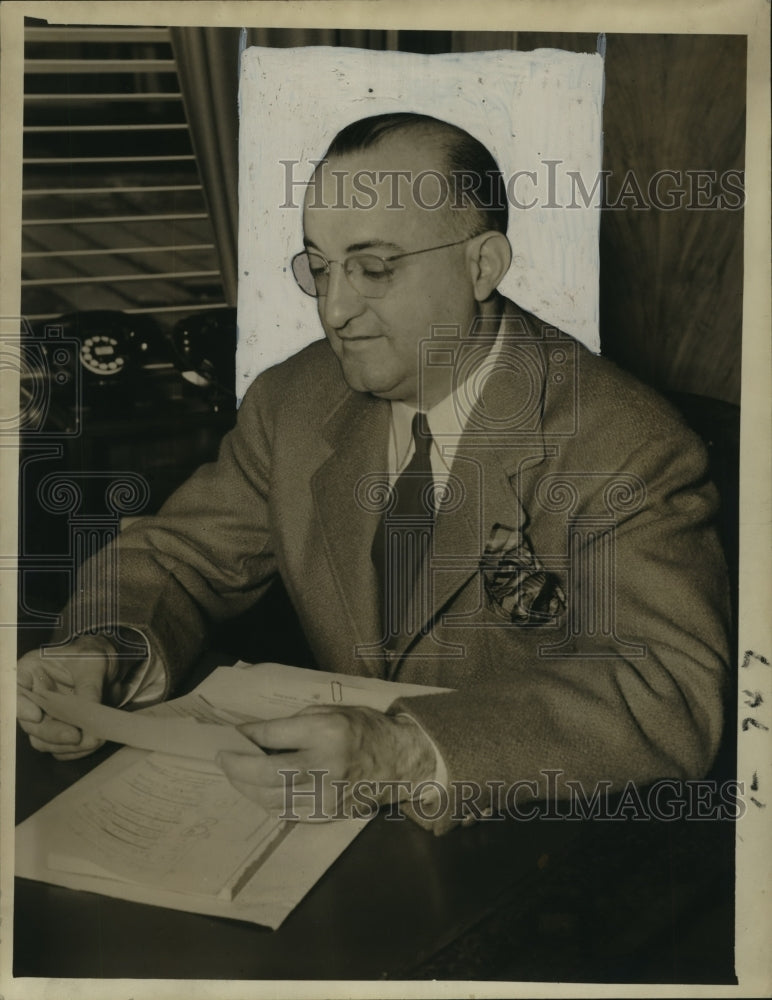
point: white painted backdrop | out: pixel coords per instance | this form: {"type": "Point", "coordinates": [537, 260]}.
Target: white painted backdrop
{"type": "Point", "coordinates": [538, 111]}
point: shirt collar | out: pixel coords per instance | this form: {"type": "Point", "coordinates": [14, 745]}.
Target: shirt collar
{"type": "Point", "coordinates": [447, 420]}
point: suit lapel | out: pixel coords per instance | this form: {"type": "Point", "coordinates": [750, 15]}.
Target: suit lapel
{"type": "Point", "coordinates": [345, 495]}
{"type": "Point", "coordinates": [503, 438]}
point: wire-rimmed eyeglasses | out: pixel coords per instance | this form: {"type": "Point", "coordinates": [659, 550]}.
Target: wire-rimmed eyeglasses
{"type": "Point", "coordinates": [368, 274]}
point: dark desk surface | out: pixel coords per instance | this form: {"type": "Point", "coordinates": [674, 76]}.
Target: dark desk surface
{"type": "Point", "coordinates": [500, 900]}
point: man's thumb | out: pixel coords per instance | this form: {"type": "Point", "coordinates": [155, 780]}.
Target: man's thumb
{"type": "Point", "coordinates": [254, 731]}
{"type": "Point", "coordinates": [89, 688]}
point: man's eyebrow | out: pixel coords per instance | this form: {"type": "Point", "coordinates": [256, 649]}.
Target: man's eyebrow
{"type": "Point", "coordinates": [364, 245]}
{"type": "Point", "coordinates": [374, 245]}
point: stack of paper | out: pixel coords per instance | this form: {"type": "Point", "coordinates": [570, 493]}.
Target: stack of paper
{"type": "Point", "coordinates": [159, 823]}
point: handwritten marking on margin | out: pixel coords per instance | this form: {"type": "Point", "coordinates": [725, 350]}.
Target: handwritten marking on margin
{"type": "Point", "coordinates": [749, 653]}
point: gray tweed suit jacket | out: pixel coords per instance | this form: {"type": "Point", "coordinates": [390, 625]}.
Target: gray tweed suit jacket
{"type": "Point", "coordinates": [577, 598]}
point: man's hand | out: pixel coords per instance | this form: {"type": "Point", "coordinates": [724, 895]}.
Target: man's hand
{"type": "Point", "coordinates": [348, 745]}
{"type": "Point", "coordinates": [87, 667]}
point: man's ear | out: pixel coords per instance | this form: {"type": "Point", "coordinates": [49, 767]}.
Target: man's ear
{"type": "Point", "coordinates": [489, 258]}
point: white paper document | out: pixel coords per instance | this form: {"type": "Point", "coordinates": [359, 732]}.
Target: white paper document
{"type": "Point", "coordinates": [201, 724]}
{"type": "Point", "coordinates": [159, 823]}
{"type": "Point", "coordinates": [280, 690]}
{"type": "Point", "coordinates": [166, 822]}
{"type": "Point", "coordinates": [184, 737]}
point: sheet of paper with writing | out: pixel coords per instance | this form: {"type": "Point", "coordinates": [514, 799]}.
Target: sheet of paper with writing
{"type": "Point", "coordinates": [268, 886]}
{"type": "Point", "coordinates": [273, 691]}
{"type": "Point", "coordinates": [183, 737]}
{"type": "Point", "coordinates": [169, 829]}
{"type": "Point", "coordinates": [201, 724]}
{"type": "Point", "coordinates": [165, 821]}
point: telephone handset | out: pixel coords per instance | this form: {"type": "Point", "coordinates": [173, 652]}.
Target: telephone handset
{"type": "Point", "coordinates": [204, 350]}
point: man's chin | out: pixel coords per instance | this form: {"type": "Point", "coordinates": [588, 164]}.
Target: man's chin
{"type": "Point", "coordinates": [380, 386]}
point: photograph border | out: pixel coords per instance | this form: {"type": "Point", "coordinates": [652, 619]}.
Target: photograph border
{"type": "Point", "coordinates": [747, 17]}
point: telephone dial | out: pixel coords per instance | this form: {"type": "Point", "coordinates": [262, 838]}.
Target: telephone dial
{"type": "Point", "coordinates": [113, 345]}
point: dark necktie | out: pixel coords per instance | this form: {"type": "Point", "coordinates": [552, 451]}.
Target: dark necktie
{"type": "Point", "coordinates": [403, 538]}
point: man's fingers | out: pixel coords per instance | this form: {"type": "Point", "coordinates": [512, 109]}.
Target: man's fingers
{"type": "Point", "coordinates": [254, 770]}
{"type": "Point", "coordinates": [46, 746]}
{"type": "Point", "coordinates": [274, 771]}
{"type": "Point", "coordinates": [59, 739]}
{"type": "Point", "coordinates": [277, 734]}
{"type": "Point", "coordinates": [24, 679]}
{"type": "Point", "coordinates": [253, 731]}
{"type": "Point", "coordinates": [57, 671]}
{"type": "Point", "coordinates": [47, 672]}
{"type": "Point", "coordinates": [52, 733]}
{"type": "Point", "coordinates": [82, 751]}
{"type": "Point", "coordinates": [36, 674]}
{"type": "Point", "coordinates": [51, 721]}
{"type": "Point", "coordinates": [81, 670]}
{"type": "Point", "coordinates": [89, 688]}
{"type": "Point", "coordinates": [26, 710]}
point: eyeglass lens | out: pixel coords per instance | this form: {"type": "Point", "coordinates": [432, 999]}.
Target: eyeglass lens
{"type": "Point", "coordinates": [368, 275]}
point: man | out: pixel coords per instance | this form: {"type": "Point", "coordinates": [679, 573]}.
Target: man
{"type": "Point", "coordinates": [562, 579]}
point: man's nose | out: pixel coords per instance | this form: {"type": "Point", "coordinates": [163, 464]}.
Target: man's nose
{"type": "Point", "coordinates": [342, 301]}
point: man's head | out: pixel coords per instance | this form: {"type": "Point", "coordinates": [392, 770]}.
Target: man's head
{"type": "Point", "coordinates": [465, 183]}
{"type": "Point", "coordinates": [393, 186]}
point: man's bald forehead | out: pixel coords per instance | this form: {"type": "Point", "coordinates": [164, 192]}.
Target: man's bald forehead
{"type": "Point", "coordinates": [413, 161]}
{"type": "Point", "coordinates": [475, 188]}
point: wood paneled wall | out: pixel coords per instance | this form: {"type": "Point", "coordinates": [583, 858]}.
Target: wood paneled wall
{"type": "Point", "coordinates": [671, 279]}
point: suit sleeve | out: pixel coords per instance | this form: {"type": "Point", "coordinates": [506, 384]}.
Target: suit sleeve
{"type": "Point", "coordinates": [205, 557]}
{"type": "Point", "coordinates": [643, 703]}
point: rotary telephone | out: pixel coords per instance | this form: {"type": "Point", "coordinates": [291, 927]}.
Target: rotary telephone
{"type": "Point", "coordinates": [109, 361]}
{"type": "Point", "coordinates": [113, 347]}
